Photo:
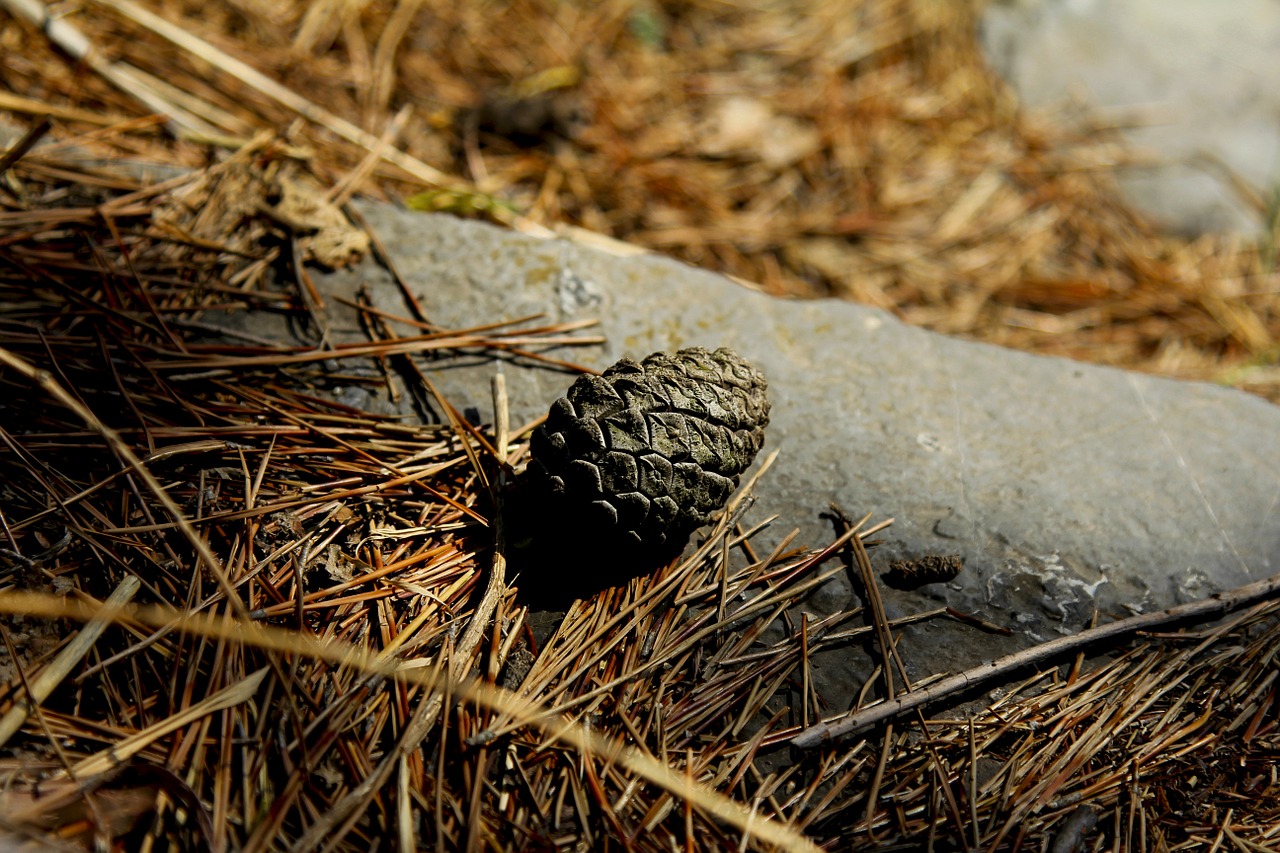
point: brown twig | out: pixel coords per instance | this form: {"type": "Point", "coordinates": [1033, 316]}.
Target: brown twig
{"type": "Point", "coordinates": [15, 152]}
{"type": "Point", "coordinates": [1206, 608]}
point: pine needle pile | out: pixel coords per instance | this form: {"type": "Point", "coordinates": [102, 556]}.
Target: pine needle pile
{"type": "Point", "coordinates": [302, 646]}
{"type": "Point", "coordinates": [152, 458]}
{"type": "Point", "coordinates": [861, 149]}
{"type": "Point", "coordinates": [241, 613]}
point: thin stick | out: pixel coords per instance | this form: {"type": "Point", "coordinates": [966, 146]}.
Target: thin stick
{"type": "Point", "coordinates": [497, 575]}
{"type": "Point", "coordinates": [888, 652]}
{"type": "Point", "coordinates": [501, 415]}
{"type": "Point", "coordinates": [1205, 608]}
{"type": "Point", "coordinates": [28, 141]}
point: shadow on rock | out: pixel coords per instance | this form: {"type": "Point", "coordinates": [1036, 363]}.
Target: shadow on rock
{"type": "Point", "coordinates": [554, 556]}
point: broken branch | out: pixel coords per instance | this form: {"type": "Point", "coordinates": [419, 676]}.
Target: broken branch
{"type": "Point", "coordinates": [1215, 605]}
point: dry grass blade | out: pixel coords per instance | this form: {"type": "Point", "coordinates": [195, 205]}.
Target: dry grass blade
{"type": "Point", "coordinates": [591, 745]}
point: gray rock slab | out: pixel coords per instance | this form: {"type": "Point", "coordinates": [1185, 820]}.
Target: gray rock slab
{"type": "Point", "coordinates": [1205, 70]}
{"type": "Point", "coordinates": [1066, 487]}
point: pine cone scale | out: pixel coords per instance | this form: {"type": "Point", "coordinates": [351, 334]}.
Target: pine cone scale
{"type": "Point", "coordinates": [650, 449]}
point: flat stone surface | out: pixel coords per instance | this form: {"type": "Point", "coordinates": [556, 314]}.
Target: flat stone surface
{"type": "Point", "coordinates": [1206, 70]}
{"type": "Point", "coordinates": [1066, 487]}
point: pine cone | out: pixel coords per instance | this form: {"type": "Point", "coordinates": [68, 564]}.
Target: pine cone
{"type": "Point", "coordinates": [647, 451]}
